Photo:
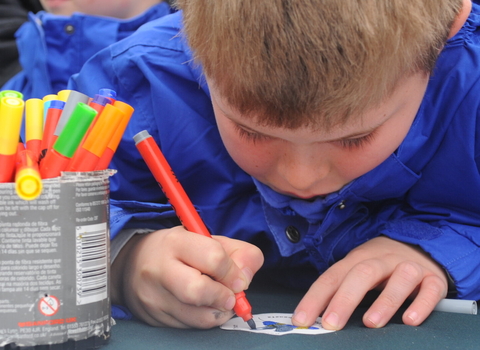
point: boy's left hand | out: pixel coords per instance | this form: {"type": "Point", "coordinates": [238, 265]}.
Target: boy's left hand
{"type": "Point", "coordinates": [401, 270]}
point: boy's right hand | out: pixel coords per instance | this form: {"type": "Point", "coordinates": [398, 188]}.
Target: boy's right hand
{"type": "Point", "coordinates": [177, 278]}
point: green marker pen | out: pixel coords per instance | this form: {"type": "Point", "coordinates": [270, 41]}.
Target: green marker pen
{"type": "Point", "coordinates": [67, 142]}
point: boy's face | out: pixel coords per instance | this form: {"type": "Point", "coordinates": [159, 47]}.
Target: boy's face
{"type": "Point", "coordinates": [112, 8]}
{"type": "Point", "coordinates": [307, 163]}
{"type": "Point", "coordinates": [59, 7]}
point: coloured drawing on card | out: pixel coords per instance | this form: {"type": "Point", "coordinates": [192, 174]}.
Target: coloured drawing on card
{"type": "Point", "coordinates": [274, 324]}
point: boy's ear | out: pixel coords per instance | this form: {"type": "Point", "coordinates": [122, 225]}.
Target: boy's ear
{"type": "Point", "coordinates": [461, 18]}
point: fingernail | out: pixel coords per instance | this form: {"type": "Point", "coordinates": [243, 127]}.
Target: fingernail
{"type": "Point", "coordinates": [332, 320]}
{"type": "Point", "coordinates": [248, 274]}
{"type": "Point", "coordinates": [413, 316]}
{"type": "Point", "coordinates": [300, 317]}
{"type": "Point", "coordinates": [238, 285]}
{"type": "Point", "coordinates": [375, 318]}
{"type": "Point", "coordinates": [230, 303]}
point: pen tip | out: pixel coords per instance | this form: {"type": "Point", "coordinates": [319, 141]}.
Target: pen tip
{"type": "Point", "coordinates": [252, 324]}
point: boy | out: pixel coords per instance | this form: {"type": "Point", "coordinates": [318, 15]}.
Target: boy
{"type": "Point", "coordinates": [339, 137]}
{"type": "Point", "coordinates": [55, 44]}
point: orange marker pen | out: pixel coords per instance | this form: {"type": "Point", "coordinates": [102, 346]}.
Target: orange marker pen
{"type": "Point", "coordinates": [88, 154]}
{"type": "Point", "coordinates": [34, 125]}
{"type": "Point", "coordinates": [28, 183]}
{"type": "Point", "coordinates": [182, 205]}
{"type": "Point", "coordinates": [112, 146]}
{"type": "Point", "coordinates": [11, 113]}
{"type": "Point", "coordinates": [98, 103]}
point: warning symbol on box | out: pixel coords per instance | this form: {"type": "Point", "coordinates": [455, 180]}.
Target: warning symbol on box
{"type": "Point", "coordinates": [49, 305]}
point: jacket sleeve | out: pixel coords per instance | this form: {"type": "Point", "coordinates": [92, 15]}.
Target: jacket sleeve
{"type": "Point", "coordinates": [148, 72]}
{"type": "Point", "coordinates": [143, 207]}
{"type": "Point", "coordinates": [456, 247]}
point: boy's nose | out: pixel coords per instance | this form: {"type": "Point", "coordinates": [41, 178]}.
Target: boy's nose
{"type": "Point", "coordinates": [302, 172]}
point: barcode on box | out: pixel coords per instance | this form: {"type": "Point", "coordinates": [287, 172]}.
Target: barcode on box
{"type": "Point", "coordinates": [91, 260]}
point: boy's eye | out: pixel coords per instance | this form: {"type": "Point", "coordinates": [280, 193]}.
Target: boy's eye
{"type": "Point", "coordinates": [249, 136]}
{"type": "Point", "coordinates": [357, 142]}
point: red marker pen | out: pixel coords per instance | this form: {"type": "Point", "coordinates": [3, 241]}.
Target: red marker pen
{"type": "Point", "coordinates": [99, 102]}
{"type": "Point", "coordinates": [21, 145]}
{"type": "Point", "coordinates": [182, 205]}
{"type": "Point", "coordinates": [53, 116]}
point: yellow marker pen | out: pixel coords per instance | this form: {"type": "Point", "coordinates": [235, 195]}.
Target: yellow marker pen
{"type": "Point", "coordinates": [28, 183]}
{"type": "Point", "coordinates": [63, 95]}
{"type": "Point", "coordinates": [34, 125]}
{"type": "Point", "coordinates": [11, 113]}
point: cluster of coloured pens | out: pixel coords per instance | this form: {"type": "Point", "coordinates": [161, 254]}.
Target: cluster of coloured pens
{"type": "Point", "coordinates": [65, 132]}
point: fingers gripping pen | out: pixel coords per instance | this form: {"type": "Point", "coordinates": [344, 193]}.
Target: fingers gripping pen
{"type": "Point", "coordinates": [182, 205]}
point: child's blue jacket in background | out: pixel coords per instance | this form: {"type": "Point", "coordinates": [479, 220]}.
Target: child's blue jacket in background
{"type": "Point", "coordinates": [427, 193]}
{"type": "Point", "coordinates": [52, 47]}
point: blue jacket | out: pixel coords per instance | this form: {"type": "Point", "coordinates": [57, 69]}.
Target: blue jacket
{"type": "Point", "coordinates": [427, 193]}
{"type": "Point", "coordinates": [52, 47]}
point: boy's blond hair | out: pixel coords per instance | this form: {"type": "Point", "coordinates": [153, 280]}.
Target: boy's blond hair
{"type": "Point", "coordinates": [313, 62]}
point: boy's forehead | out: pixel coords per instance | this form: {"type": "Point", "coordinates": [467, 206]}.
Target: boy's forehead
{"type": "Point", "coordinates": [406, 97]}
{"type": "Point", "coordinates": [353, 128]}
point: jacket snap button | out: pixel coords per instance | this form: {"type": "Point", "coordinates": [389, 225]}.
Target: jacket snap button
{"type": "Point", "coordinates": [69, 29]}
{"type": "Point", "coordinates": [341, 205]}
{"type": "Point", "coordinates": [292, 234]}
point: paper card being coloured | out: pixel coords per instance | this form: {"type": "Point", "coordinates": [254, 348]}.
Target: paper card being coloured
{"type": "Point", "coordinates": [274, 324]}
